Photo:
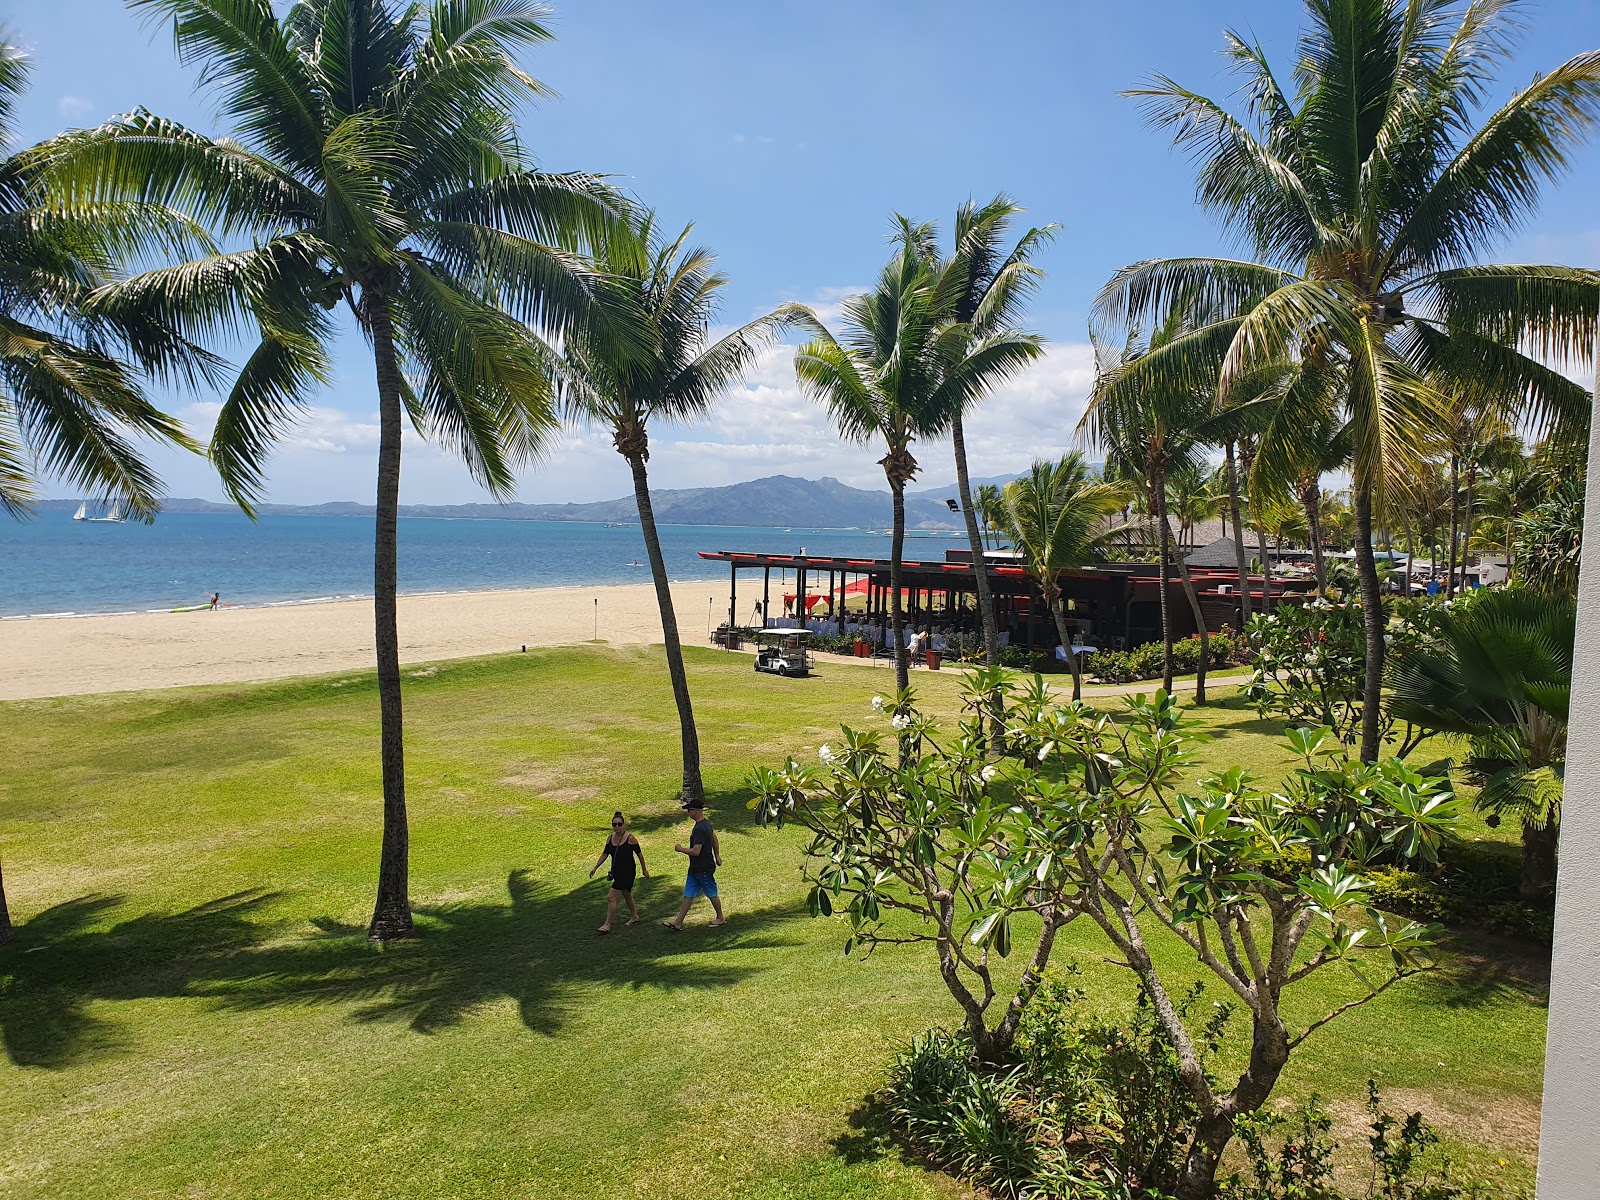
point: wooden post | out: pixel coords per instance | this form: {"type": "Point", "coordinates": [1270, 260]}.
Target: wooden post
{"type": "Point", "coordinates": [800, 609]}
{"type": "Point", "coordinates": [733, 594]}
{"type": "Point", "coordinates": [766, 594]}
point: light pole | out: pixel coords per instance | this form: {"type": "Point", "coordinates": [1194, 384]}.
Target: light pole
{"type": "Point", "coordinates": [710, 600]}
{"type": "Point", "coordinates": [597, 618]}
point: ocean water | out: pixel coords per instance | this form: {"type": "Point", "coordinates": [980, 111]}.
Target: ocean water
{"type": "Point", "coordinates": [52, 565]}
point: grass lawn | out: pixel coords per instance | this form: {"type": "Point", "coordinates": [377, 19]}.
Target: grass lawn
{"type": "Point", "coordinates": [191, 1008]}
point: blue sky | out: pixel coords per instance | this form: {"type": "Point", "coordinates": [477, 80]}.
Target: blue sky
{"type": "Point", "coordinates": [788, 133]}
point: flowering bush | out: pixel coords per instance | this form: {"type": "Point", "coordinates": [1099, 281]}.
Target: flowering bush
{"type": "Point", "coordinates": [1088, 818]}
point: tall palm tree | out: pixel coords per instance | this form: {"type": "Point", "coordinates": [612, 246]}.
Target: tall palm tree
{"type": "Point", "coordinates": [1369, 187]}
{"type": "Point", "coordinates": [877, 384]}
{"type": "Point", "coordinates": [670, 293]}
{"type": "Point", "coordinates": [1499, 673]}
{"type": "Point", "coordinates": [376, 163]}
{"type": "Point", "coordinates": [903, 367]}
{"type": "Point", "coordinates": [72, 378]}
{"type": "Point", "coordinates": [1153, 433]}
{"type": "Point", "coordinates": [982, 286]}
{"type": "Point", "coordinates": [1059, 517]}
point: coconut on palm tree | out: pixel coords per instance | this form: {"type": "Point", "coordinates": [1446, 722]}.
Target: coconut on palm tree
{"type": "Point", "coordinates": [1369, 195]}
{"type": "Point", "coordinates": [375, 166]}
{"type": "Point", "coordinates": [1059, 516]}
{"type": "Point", "coordinates": [72, 378]}
{"type": "Point", "coordinates": [668, 291]}
{"type": "Point", "coordinates": [1499, 673]}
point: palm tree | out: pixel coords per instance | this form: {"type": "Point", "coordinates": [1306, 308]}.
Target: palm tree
{"type": "Point", "coordinates": [1059, 517]}
{"type": "Point", "coordinates": [987, 501]}
{"type": "Point", "coordinates": [1499, 673]}
{"type": "Point", "coordinates": [71, 377]}
{"type": "Point", "coordinates": [376, 163]}
{"type": "Point", "coordinates": [1153, 434]}
{"type": "Point", "coordinates": [1367, 187]}
{"type": "Point", "coordinates": [670, 292]}
{"type": "Point", "coordinates": [900, 372]}
{"type": "Point", "coordinates": [982, 286]}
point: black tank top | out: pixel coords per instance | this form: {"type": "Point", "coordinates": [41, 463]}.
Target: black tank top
{"type": "Point", "coordinates": [622, 865]}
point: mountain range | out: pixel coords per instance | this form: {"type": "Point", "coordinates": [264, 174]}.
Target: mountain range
{"type": "Point", "coordinates": [778, 500]}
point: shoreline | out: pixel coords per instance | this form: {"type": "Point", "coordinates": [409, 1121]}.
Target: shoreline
{"type": "Point", "coordinates": [87, 654]}
{"type": "Point", "coordinates": [340, 598]}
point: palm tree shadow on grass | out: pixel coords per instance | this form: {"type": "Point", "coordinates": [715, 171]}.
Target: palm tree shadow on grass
{"type": "Point", "coordinates": [539, 950]}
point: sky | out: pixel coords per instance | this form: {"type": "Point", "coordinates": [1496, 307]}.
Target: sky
{"type": "Point", "coordinates": [789, 134]}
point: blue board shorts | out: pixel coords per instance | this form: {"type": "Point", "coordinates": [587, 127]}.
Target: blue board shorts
{"type": "Point", "coordinates": [700, 885]}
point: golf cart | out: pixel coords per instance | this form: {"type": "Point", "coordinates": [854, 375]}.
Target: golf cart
{"type": "Point", "coordinates": [783, 651]}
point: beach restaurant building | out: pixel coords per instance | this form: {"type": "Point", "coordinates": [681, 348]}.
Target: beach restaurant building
{"type": "Point", "coordinates": [1111, 605]}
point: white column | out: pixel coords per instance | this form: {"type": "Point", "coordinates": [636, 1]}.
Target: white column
{"type": "Point", "coordinates": [1569, 1129]}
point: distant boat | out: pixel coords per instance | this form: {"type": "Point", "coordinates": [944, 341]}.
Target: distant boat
{"type": "Point", "coordinates": [635, 563]}
{"type": "Point", "coordinates": [112, 517]}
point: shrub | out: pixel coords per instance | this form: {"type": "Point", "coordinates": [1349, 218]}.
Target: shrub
{"type": "Point", "coordinates": [970, 1121]}
{"type": "Point", "coordinates": [1403, 1151]}
{"type": "Point", "coordinates": [1475, 884]}
{"type": "Point", "coordinates": [1145, 662]}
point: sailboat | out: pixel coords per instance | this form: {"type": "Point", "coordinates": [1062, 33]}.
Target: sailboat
{"type": "Point", "coordinates": [113, 517]}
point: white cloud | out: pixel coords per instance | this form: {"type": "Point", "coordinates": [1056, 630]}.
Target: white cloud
{"type": "Point", "coordinates": [764, 426]}
{"type": "Point", "coordinates": [74, 108]}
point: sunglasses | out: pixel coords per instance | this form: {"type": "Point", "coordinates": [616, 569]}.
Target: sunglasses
{"type": "Point", "coordinates": [616, 824]}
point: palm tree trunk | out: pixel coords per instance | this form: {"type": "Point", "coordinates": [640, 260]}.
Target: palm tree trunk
{"type": "Point", "coordinates": [1239, 557]}
{"type": "Point", "coordinates": [1158, 502]}
{"type": "Point", "coordinates": [1372, 618]}
{"type": "Point", "coordinates": [1539, 861]}
{"type": "Point", "coordinates": [1266, 568]}
{"type": "Point", "coordinates": [6, 933]}
{"type": "Point", "coordinates": [693, 787]}
{"type": "Point", "coordinates": [1311, 499]}
{"type": "Point", "coordinates": [980, 580]}
{"type": "Point", "coordinates": [1052, 599]}
{"type": "Point", "coordinates": [1466, 519]}
{"type": "Point", "coordinates": [1455, 523]}
{"type": "Point", "coordinates": [1199, 617]}
{"type": "Point", "coordinates": [897, 617]}
{"type": "Point", "coordinates": [391, 915]}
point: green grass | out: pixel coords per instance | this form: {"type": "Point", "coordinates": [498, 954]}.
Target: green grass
{"type": "Point", "coordinates": [190, 1008]}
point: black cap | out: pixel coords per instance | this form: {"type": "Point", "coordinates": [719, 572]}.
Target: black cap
{"type": "Point", "coordinates": [691, 805]}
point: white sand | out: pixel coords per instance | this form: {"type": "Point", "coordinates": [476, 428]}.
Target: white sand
{"type": "Point", "coordinates": [73, 656]}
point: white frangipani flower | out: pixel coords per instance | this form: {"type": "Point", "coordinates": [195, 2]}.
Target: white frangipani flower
{"type": "Point", "coordinates": [989, 772]}
{"type": "Point", "coordinates": [901, 721]}
{"type": "Point", "coordinates": [877, 704]}
{"type": "Point", "coordinates": [826, 754]}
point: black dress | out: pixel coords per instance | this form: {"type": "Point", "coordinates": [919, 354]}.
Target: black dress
{"type": "Point", "coordinates": [623, 868]}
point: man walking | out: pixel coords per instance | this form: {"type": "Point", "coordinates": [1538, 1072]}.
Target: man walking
{"type": "Point", "coordinates": [705, 856]}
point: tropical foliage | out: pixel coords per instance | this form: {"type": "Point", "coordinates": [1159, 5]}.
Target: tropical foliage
{"type": "Point", "coordinates": [1498, 672]}
{"type": "Point", "coordinates": [375, 164]}
{"type": "Point", "coordinates": [667, 291]}
{"type": "Point", "coordinates": [1058, 517]}
{"type": "Point", "coordinates": [1262, 886]}
{"type": "Point", "coordinates": [1368, 195]}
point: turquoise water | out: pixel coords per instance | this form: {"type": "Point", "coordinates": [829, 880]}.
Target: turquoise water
{"type": "Point", "coordinates": [54, 565]}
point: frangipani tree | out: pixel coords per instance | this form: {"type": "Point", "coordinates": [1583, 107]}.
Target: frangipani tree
{"type": "Point", "coordinates": [375, 166]}
{"type": "Point", "coordinates": [1370, 193]}
{"type": "Point", "coordinates": [1262, 886]}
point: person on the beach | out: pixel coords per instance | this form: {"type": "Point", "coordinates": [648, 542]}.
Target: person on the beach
{"type": "Point", "coordinates": [621, 848]}
{"type": "Point", "coordinates": [216, 598]}
{"type": "Point", "coordinates": [705, 856]}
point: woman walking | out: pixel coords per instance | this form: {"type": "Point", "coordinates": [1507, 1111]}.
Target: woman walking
{"type": "Point", "coordinates": [621, 847]}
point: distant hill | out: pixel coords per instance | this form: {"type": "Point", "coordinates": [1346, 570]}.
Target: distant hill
{"type": "Point", "coordinates": [778, 500]}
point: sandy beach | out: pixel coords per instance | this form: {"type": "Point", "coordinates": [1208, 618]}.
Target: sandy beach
{"type": "Point", "coordinates": [78, 655]}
